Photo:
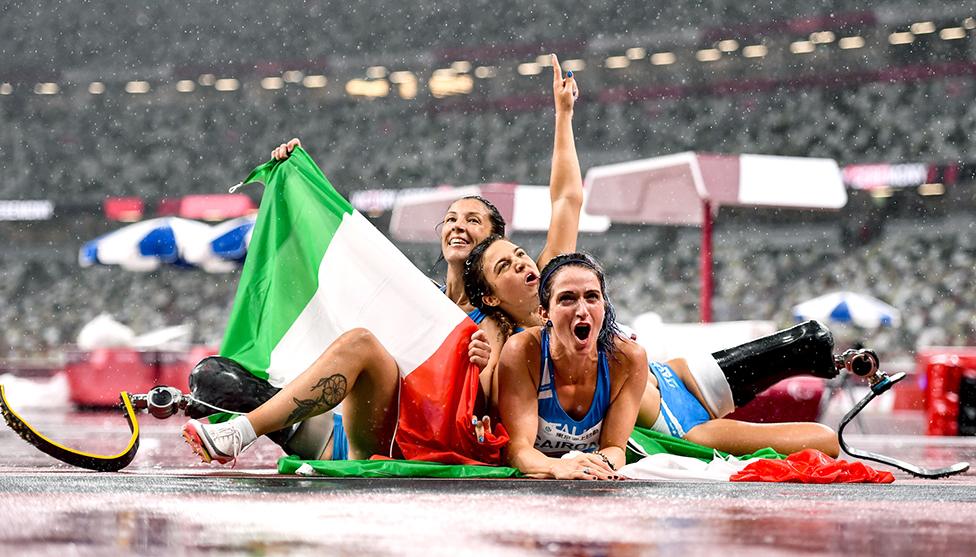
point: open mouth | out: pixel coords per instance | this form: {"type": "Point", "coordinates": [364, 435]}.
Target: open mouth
{"type": "Point", "coordinates": [530, 278]}
{"type": "Point", "coordinates": [457, 242]}
{"type": "Point", "coordinates": [582, 331]}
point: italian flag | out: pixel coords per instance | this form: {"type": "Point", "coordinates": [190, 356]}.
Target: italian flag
{"type": "Point", "coordinates": [317, 268]}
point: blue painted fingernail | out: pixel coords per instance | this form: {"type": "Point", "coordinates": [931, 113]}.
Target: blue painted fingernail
{"type": "Point", "coordinates": [569, 73]}
{"type": "Point", "coordinates": [481, 439]}
{"type": "Point", "coordinates": [474, 421]}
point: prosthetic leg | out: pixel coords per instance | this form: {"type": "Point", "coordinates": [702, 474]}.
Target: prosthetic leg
{"type": "Point", "coordinates": [732, 378]}
{"type": "Point", "coordinates": [865, 363]}
{"type": "Point", "coordinates": [221, 385]}
{"type": "Point", "coordinates": [753, 367]}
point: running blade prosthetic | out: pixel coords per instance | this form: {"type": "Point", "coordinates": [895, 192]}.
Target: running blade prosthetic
{"type": "Point", "coordinates": [865, 363]}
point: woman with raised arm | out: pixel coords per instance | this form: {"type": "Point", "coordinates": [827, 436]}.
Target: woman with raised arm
{"type": "Point", "coordinates": [357, 368]}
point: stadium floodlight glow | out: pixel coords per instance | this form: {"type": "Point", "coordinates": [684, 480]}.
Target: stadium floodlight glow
{"type": "Point", "coordinates": [802, 47]}
{"type": "Point", "coordinates": [485, 72]}
{"type": "Point", "coordinates": [931, 189]}
{"type": "Point", "coordinates": [728, 45]}
{"type": "Point", "coordinates": [185, 86]}
{"type": "Point", "coordinates": [227, 84]}
{"type": "Point", "coordinates": [636, 53]}
{"type": "Point", "coordinates": [848, 43]}
{"type": "Point", "coordinates": [969, 23]}
{"type": "Point", "coordinates": [923, 27]}
{"type": "Point", "coordinates": [444, 85]}
{"type": "Point", "coordinates": [574, 65]}
{"type": "Point", "coordinates": [376, 72]}
{"type": "Point", "coordinates": [293, 76]}
{"type": "Point", "coordinates": [663, 58]}
{"type": "Point", "coordinates": [96, 87]}
{"type": "Point", "coordinates": [881, 193]}
{"type": "Point", "coordinates": [708, 55]}
{"type": "Point", "coordinates": [272, 83]}
{"type": "Point", "coordinates": [6, 88]}
{"type": "Point", "coordinates": [822, 37]}
{"type": "Point", "coordinates": [207, 79]}
{"type": "Point", "coordinates": [755, 51]}
{"type": "Point", "coordinates": [901, 38]}
{"type": "Point", "coordinates": [406, 83]}
{"type": "Point", "coordinates": [461, 66]}
{"type": "Point", "coordinates": [407, 89]}
{"type": "Point", "coordinates": [314, 81]}
{"type": "Point", "coordinates": [137, 87]}
{"type": "Point", "coordinates": [544, 60]}
{"type": "Point", "coordinates": [402, 77]}
{"type": "Point", "coordinates": [617, 62]}
{"type": "Point", "coordinates": [952, 33]}
{"type": "Point", "coordinates": [529, 68]}
{"type": "Point", "coordinates": [368, 87]}
{"type": "Point", "coordinates": [46, 88]}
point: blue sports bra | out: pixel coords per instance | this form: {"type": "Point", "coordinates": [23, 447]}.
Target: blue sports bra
{"type": "Point", "coordinates": [558, 433]}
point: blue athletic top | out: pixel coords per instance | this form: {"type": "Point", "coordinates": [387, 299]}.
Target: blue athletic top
{"type": "Point", "coordinates": [477, 316]}
{"type": "Point", "coordinates": [680, 410]}
{"type": "Point", "coordinates": [558, 433]}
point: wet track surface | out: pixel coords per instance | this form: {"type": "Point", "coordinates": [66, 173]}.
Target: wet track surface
{"type": "Point", "coordinates": [166, 503]}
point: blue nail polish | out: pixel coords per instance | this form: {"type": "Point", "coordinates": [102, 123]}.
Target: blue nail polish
{"type": "Point", "coordinates": [481, 439]}
{"type": "Point", "coordinates": [569, 73]}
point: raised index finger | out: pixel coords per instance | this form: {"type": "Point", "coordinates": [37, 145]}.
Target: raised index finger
{"type": "Point", "coordinates": [557, 72]}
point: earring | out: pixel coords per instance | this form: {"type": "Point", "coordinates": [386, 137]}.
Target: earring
{"type": "Point", "coordinates": [549, 323]}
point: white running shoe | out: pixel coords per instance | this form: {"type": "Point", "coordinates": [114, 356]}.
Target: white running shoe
{"type": "Point", "coordinates": [221, 442]}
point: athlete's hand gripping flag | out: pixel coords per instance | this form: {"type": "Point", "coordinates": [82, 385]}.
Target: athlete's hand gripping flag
{"type": "Point", "coordinates": [315, 269]}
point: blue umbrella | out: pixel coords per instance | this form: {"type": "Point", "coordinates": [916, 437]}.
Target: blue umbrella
{"type": "Point", "coordinates": [146, 245]}
{"type": "Point", "coordinates": [849, 307]}
{"type": "Point", "coordinates": [225, 247]}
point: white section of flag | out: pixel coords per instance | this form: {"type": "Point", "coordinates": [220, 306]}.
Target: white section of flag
{"type": "Point", "coordinates": [364, 281]}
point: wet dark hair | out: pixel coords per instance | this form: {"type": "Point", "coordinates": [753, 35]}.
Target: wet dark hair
{"type": "Point", "coordinates": [476, 285]}
{"type": "Point", "coordinates": [609, 330]}
{"type": "Point", "coordinates": [494, 215]}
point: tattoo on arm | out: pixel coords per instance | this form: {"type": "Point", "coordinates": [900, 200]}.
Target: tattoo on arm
{"type": "Point", "coordinates": [331, 391]}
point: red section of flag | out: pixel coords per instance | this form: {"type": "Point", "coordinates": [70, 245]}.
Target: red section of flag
{"type": "Point", "coordinates": [437, 402]}
{"type": "Point", "coordinates": [811, 466]}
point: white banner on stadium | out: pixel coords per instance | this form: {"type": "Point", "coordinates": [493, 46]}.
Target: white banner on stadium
{"type": "Point", "coordinates": [876, 176]}
{"type": "Point", "coordinates": [26, 210]}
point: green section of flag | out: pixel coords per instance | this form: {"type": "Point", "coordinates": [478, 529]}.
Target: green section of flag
{"type": "Point", "coordinates": [300, 213]}
{"type": "Point", "coordinates": [653, 443]}
{"type": "Point", "coordinates": [394, 469]}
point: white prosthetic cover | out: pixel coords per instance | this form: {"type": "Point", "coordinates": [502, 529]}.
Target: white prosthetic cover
{"type": "Point", "coordinates": [712, 383]}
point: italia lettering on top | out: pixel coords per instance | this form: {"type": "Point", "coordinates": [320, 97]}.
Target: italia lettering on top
{"type": "Point", "coordinates": [668, 376]}
{"type": "Point", "coordinates": [568, 431]}
{"type": "Point", "coordinates": [564, 446]}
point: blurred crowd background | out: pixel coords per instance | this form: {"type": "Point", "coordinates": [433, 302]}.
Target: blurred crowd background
{"type": "Point", "coordinates": [185, 97]}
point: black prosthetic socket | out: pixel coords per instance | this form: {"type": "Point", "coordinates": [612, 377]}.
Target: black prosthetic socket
{"type": "Point", "coordinates": [753, 367]}
{"type": "Point", "coordinates": [223, 383]}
